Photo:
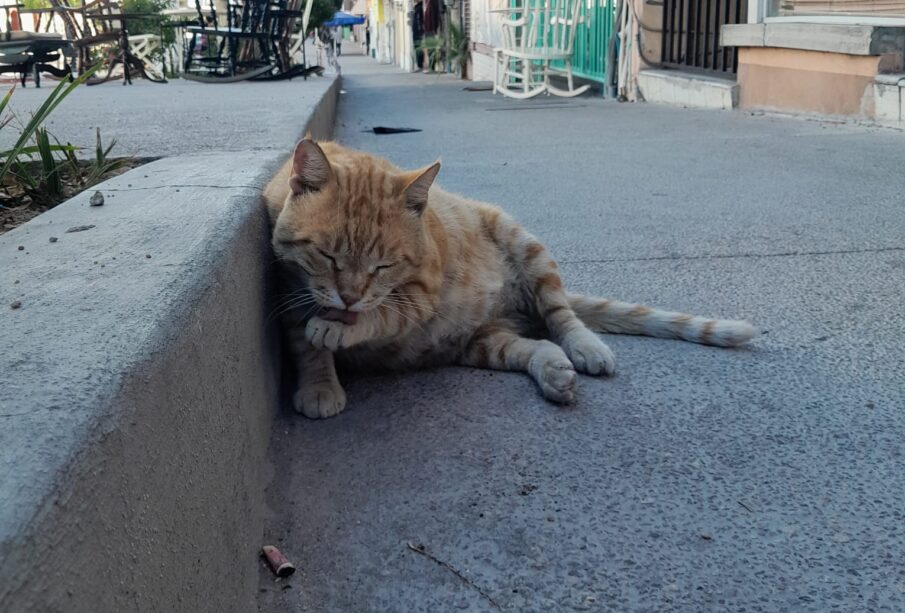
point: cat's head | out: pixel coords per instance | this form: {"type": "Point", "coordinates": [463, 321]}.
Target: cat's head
{"type": "Point", "coordinates": [352, 226]}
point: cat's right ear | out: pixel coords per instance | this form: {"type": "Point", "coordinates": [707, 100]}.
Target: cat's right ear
{"type": "Point", "coordinates": [418, 186]}
{"type": "Point", "coordinates": [310, 168]}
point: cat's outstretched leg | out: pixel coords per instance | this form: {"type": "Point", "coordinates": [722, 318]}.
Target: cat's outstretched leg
{"type": "Point", "coordinates": [319, 395]}
{"type": "Point", "coordinates": [498, 347]}
{"type": "Point", "coordinates": [587, 352]}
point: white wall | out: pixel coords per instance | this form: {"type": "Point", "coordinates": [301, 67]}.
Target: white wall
{"type": "Point", "coordinates": [485, 30]}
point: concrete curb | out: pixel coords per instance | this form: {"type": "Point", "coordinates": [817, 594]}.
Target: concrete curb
{"type": "Point", "coordinates": [138, 390]}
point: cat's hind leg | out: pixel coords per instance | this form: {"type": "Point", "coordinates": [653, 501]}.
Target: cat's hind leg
{"type": "Point", "coordinates": [540, 276]}
{"type": "Point", "coordinates": [499, 347]}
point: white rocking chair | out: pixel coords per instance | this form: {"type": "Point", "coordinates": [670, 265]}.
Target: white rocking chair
{"type": "Point", "coordinates": [542, 32]}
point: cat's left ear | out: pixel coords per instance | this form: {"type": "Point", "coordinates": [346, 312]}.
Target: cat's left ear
{"type": "Point", "coordinates": [416, 190]}
{"type": "Point", "coordinates": [310, 167]}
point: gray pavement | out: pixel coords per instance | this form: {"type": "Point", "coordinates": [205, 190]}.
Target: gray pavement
{"type": "Point", "coordinates": [769, 478]}
{"type": "Point", "coordinates": [156, 120]}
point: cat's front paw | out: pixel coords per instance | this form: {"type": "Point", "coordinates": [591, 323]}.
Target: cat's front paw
{"type": "Point", "coordinates": [559, 382]}
{"type": "Point", "coordinates": [323, 334]}
{"type": "Point", "coordinates": [588, 353]}
{"type": "Point", "coordinates": [320, 400]}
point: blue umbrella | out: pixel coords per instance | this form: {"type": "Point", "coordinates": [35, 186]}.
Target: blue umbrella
{"type": "Point", "coordinates": [343, 19]}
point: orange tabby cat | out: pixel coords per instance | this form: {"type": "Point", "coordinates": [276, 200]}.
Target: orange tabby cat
{"type": "Point", "coordinates": [385, 270]}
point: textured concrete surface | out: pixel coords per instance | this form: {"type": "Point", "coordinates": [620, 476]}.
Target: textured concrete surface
{"type": "Point", "coordinates": [697, 479]}
{"type": "Point", "coordinates": [687, 89]}
{"type": "Point", "coordinates": [137, 388]}
{"type": "Point", "coordinates": [179, 117]}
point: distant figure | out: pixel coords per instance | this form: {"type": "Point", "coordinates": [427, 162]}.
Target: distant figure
{"type": "Point", "coordinates": [325, 36]}
{"type": "Point", "coordinates": [430, 25]}
{"type": "Point", "coordinates": [418, 32]}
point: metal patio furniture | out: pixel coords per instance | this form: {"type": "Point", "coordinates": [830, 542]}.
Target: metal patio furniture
{"type": "Point", "coordinates": [102, 24]}
{"type": "Point", "coordinates": [534, 37]}
{"type": "Point", "coordinates": [31, 53]}
{"type": "Point", "coordinates": [255, 43]}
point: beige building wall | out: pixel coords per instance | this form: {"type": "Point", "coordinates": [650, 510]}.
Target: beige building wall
{"type": "Point", "coordinates": [810, 81]}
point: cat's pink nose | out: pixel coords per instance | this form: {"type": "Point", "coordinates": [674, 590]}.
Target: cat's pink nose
{"type": "Point", "coordinates": [348, 299]}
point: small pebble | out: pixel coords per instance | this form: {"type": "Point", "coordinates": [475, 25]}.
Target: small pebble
{"type": "Point", "coordinates": [15, 304]}
{"type": "Point", "coordinates": [707, 537]}
{"type": "Point", "coordinates": [21, 248]}
{"type": "Point", "coordinates": [79, 228]}
{"type": "Point", "coordinates": [97, 199]}
{"type": "Point", "coordinates": [53, 239]}
{"type": "Point", "coordinates": [148, 255]}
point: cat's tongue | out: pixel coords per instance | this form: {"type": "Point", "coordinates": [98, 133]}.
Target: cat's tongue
{"type": "Point", "coordinates": [347, 317]}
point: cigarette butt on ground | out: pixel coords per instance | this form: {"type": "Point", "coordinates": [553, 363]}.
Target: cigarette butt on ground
{"type": "Point", "coordinates": [278, 563]}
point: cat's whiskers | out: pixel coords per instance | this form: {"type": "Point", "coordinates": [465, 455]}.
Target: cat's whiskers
{"type": "Point", "coordinates": [292, 298]}
{"type": "Point", "coordinates": [292, 303]}
{"type": "Point", "coordinates": [403, 315]}
{"type": "Point", "coordinates": [420, 308]}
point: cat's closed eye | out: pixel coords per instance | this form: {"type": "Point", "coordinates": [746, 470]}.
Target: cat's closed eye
{"type": "Point", "coordinates": [329, 257]}
{"type": "Point", "coordinates": [294, 242]}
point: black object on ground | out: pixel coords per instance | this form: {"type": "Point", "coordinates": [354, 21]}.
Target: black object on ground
{"type": "Point", "coordinates": [385, 130]}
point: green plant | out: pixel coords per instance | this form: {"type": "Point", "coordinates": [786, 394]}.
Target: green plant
{"type": "Point", "coordinates": [150, 25]}
{"type": "Point", "coordinates": [433, 45]}
{"type": "Point", "coordinates": [55, 172]}
{"type": "Point", "coordinates": [458, 48]}
{"type": "Point", "coordinates": [102, 163]}
{"type": "Point", "coordinates": [37, 174]}
{"type": "Point", "coordinates": [456, 53]}
{"type": "Point", "coordinates": [321, 11]}
{"type": "Point", "coordinates": [42, 168]}
{"type": "Point", "coordinates": [22, 148]}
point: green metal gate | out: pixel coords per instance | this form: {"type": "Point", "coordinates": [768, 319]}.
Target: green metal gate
{"type": "Point", "coordinates": [591, 37]}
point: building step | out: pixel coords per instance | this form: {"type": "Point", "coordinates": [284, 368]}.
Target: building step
{"type": "Point", "coordinates": [687, 89]}
{"type": "Point", "coordinates": [889, 99]}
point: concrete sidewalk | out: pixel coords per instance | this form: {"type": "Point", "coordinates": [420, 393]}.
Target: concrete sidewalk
{"type": "Point", "coordinates": [137, 383]}
{"type": "Point", "coordinates": [180, 117]}
{"type": "Point", "coordinates": [698, 479]}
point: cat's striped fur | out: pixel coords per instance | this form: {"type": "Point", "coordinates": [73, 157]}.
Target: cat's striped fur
{"type": "Point", "coordinates": [385, 270]}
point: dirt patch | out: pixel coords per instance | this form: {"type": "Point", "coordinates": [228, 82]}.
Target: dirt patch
{"type": "Point", "coordinates": [17, 206]}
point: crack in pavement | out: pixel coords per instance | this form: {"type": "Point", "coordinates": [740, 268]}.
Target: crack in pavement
{"type": "Point", "coordinates": [729, 256]}
{"type": "Point", "coordinates": [420, 549]}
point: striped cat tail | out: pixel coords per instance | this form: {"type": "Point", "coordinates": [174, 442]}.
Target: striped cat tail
{"type": "Point", "coordinates": [602, 315]}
